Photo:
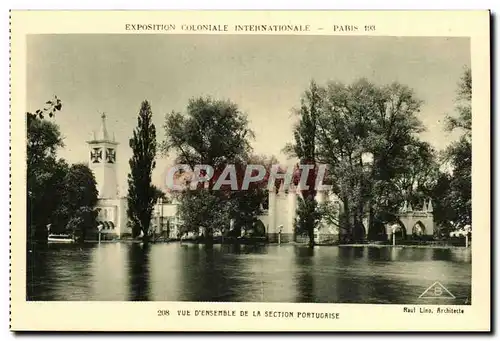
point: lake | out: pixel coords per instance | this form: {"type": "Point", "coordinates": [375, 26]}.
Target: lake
{"type": "Point", "coordinates": [265, 273]}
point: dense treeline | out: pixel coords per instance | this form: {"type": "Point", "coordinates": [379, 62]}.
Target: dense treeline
{"type": "Point", "coordinates": [369, 136]}
{"type": "Point", "coordinates": [61, 198]}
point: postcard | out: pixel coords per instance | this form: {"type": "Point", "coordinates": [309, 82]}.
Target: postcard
{"type": "Point", "coordinates": [250, 171]}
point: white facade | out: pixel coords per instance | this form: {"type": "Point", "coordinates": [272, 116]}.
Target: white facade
{"type": "Point", "coordinates": [102, 162]}
{"type": "Point", "coordinates": [113, 216]}
{"type": "Point", "coordinates": [112, 209]}
{"type": "Point", "coordinates": [279, 219]}
{"type": "Point", "coordinates": [282, 215]}
{"type": "Point", "coordinates": [166, 221]}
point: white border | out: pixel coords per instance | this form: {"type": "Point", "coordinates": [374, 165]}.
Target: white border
{"type": "Point", "coordinates": [145, 4]}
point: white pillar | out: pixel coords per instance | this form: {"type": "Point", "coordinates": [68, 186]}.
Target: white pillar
{"type": "Point", "coordinates": [291, 212]}
{"type": "Point", "coordinates": [320, 200]}
{"type": "Point", "coordinates": [320, 197]}
{"type": "Point", "coordinates": [158, 211]}
{"type": "Point", "coordinates": [272, 211]}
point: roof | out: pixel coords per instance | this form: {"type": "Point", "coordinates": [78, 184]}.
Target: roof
{"type": "Point", "coordinates": [102, 134]}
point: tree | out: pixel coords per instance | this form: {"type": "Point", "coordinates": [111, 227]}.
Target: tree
{"type": "Point", "coordinates": [159, 194]}
{"type": "Point", "coordinates": [463, 120]}
{"type": "Point", "coordinates": [59, 196]}
{"type": "Point", "coordinates": [363, 118]}
{"type": "Point", "coordinates": [305, 134]}
{"type": "Point", "coordinates": [459, 154]}
{"type": "Point", "coordinates": [444, 212]}
{"type": "Point", "coordinates": [250, 203]}
{"type": "Point", "coordinates": [329, 213]}
{"type": "Point", "coordinates": [215, 133]}
{"type": "Point", "coordinates": [79, 199]}
{"type": "Point", "coordinates": [308, 217]}
{"type": "Point", "coordinates": [45, 195]}
{"type": "Point", "coordinates": [44, 171]}
{"type": "Point", "coordinates": [460, 194]}
{"type": "Point", "coordinates": [416, 174]}
{"type": "Point", "coordinates": [141, 193]}
{"type": "Point", "coordinates": [82, 220]}
{"type": "Point", "coordinates": [205, 210]}
{"type": "Point", "coordinates": [50, 109]}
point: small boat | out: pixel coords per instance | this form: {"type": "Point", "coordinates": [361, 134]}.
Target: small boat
{"type": "Point", "coordinates": [60, 238]}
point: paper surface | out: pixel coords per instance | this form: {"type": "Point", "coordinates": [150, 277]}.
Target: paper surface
{"type": "Point", "coordinates": [110, 61]}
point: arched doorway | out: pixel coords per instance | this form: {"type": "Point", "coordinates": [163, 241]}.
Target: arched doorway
{"type": "Point", "coordinates": [400, 230]}
{"type": "Point", "coordinates": [259, 229]}
{"type": "Point", "coordinates": [418, 230]}
{"type": "Point", "coordinates": [359, 231]}
{"type": "Point", "coordinates": [377, 231]}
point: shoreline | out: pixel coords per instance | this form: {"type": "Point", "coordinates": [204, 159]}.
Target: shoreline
{"type": "Point", "coordinates": [356, 245]}
{"type": "Point", "coordinates": [405, 246]}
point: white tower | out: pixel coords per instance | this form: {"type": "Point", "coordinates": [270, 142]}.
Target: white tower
{"type": "Point", "coordinates": [102, 161]}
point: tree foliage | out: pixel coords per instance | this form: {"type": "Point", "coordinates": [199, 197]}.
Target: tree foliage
{"type": "Point", "coordinates": [51, 107]}
{"type": "Point", "coordinates": [308, 216]}
{"type": "Point", "coordinates": [304, 147]}
{"type": "Point", "coordinates": [361, 118]}
{"type": "Point", "coordinates": [61, 198]}
{"type": "Point", "coordinates": [44, 171]}
{"type": "Point", "coordinates": [45, 186]}
{"type": "Point", "coordinates": [141, 193]}
{"type": "Point", "coordinates": [458, 156]}
{"type": "Point", "coordinates": [463, 119]}
{"type": "Point", "coordinates": [77, 210]}
{"type": "Point", "coordinates": [351, 121]}
{"type": "Point", "coordinates": [159, 194]}
{"type": "Point", "coordinates": [205, 210]}
{"type": "Point", "coordinates": [213, 132]}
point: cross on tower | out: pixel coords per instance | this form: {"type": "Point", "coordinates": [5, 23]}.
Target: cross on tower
{"type": "Point", "coordinates": [110, 155]}
{"type": "Point", "coordinates": [103, 160]}
{"type": "Point", "coordinates": [96, 155]}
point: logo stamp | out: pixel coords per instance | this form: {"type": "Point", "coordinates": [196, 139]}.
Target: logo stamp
{"type": "Point", "coordinates": [437, 290]}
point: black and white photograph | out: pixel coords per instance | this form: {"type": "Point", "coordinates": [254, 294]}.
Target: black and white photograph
{"type": "Point", "coordinates": [110, 115]}
{"type": "Point", "coordinates": [280, 174]}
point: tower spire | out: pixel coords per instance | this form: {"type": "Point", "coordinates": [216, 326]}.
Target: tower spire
{"type": "Point", "coordinates": [102, 161]}
{"type": "Point", "coordinates": [103, 132]}
{"type": "Point", "coordinates": [429, 206]}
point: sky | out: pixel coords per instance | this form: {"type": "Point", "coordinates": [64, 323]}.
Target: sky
{"type": "Point", "coordinates": [264, 75]}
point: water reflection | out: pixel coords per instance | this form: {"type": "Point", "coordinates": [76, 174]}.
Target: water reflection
{"type": "Point", "coordinates": [36, 274]}
{"type": "Point", "coordinates": [461, 255]}
{"type": "Point", "coordinates": [108, 267]}
{"type": "Point", "coordinates": [59, 273]}
{"type": "Point", "coordinates": [265, 273]}
{"type": "Point", "coordinates": [138, 258]}
{"type": "Point", "coordinates": [304, 274]}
